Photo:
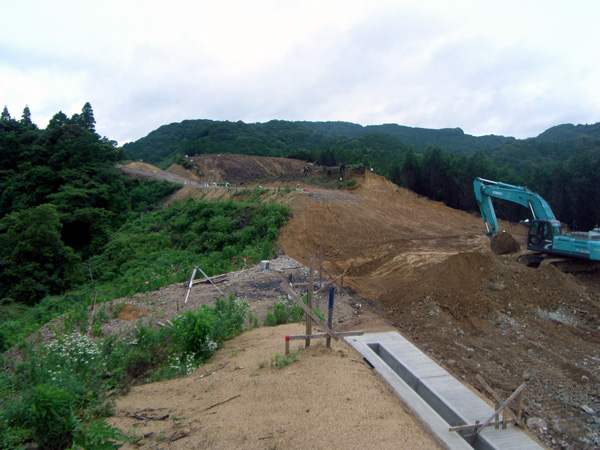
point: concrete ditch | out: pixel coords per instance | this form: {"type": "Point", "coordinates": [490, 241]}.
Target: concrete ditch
{"type": "Point", "coordinates": [439, 398]}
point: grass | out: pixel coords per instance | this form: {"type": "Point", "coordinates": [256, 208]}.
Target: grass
{"type": "Point", "coordinates": [280, 361]}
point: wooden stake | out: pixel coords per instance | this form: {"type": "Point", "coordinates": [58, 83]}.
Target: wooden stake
{"type": "Point", "coordinates": [520, 404]}
{"type": "Point", "coordinates": [498, 401]}
{"type": "Point", "coordinates": [187, 294]}
{"type": "Point", "coordinates": [502, 407]}
{"type": "Point", "coordinates": [286, 287]}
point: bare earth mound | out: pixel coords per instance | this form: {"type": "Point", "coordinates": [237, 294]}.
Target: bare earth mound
{"type": "Point", "coordinates": [429, 270]}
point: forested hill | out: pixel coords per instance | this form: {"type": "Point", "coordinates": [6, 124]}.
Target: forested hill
{"type": "Point", "coordinates": [307, 140]}
{"type": "Point", "coordinates": [282, 138]}
{"type": "Point", "coordinates": [569, 132]}
{"type": "Point", "coordinates": [449, 139]}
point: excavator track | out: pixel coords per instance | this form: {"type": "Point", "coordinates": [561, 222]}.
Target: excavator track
{"type": "Point", "coordinates": [566, 265]}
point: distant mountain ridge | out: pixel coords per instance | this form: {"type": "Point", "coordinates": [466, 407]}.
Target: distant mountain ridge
{"type": "Point", "coordinates": [570, 132]}
{"type": "Point", "coordinates": [450, 139]}
{"type": "Point", "coordinates": [285, 138]}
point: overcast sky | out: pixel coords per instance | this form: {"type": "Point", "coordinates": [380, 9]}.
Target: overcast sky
{"type": "Point", "coordinates": [512, 68]}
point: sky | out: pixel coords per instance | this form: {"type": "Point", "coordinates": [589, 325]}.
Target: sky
{"type": "Point", "coordinates": [512, 68]}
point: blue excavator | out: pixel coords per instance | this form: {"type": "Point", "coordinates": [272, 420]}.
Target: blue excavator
{"type": "Point", "coordinates": [545, 235]}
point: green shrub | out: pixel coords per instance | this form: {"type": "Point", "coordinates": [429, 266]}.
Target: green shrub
{"type": "Point", "coordinates": [56, 397]}
{"type": "Point", "coordinates": [231, 316]}
{"type": "Point", "coordinates": [194, 333]}
{"type": "Point", "coordinates": [198, 333]}
{"type": "Point", "coordinates": [284, 311]}
{"type": "Point", "coordinates": [98, 435]}
{"type": "Point", "coordinates": [50, 417]}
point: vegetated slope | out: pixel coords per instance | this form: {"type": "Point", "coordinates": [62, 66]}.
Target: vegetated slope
{"type": "Point", "coordinates": [430, 269]}
{"type": "Point", "coordinates": [569, 132]}
{"type": "Point", "coordinates": [450, 139]}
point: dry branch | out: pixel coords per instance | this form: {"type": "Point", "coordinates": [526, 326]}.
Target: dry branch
{"type": "Point", "coordinates": [224, 401]}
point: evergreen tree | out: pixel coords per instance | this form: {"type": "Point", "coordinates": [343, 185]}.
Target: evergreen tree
{"type": "Point", "coordinates": [5, 114]}
{"type": "Point", "coordinates": [26, 117]}
{"type": "Point", "coordinates": [327, 158]}
{"type": "Point", "coordinates": [86, 118]}
{"type": "Point", "coordinates": [410, 173]}
{"type": "Point", "coordinates": [58, 120]}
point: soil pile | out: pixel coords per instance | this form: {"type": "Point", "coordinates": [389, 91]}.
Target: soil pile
{"type": "Point", "coordinates": [504, 244]}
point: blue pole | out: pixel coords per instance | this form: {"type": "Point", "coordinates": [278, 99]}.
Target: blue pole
{"type": "Point", "coordinates": [330, 312]}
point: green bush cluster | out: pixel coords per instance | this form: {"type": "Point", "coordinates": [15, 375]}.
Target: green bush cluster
{"type": "Point", "coordinates": [284, 311]}
{"type": "Point", "coordinates": [57, 397]}
{"type": "Point", "coordinates": [287, 311]}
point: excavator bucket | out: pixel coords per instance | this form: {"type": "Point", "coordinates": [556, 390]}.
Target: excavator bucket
{"type": "Point", "coordinates": [504, 244]}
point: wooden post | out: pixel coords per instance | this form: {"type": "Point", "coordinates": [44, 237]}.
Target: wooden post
{"type": "Point", "coordinates": [520, 404]}
{"type": "Point", "coordinates": [320, 271]}
{"type": "Point", "coordinates": [187, 294]}
{"type": "Point", "coordinates": [330, 314]}
{"type": "Point", "coordinates": [498, 401]}
{"type": "Point", "coordinates": [497, 418]}
{"type": "Point", "coordinates": [311, 281]}
{"type": "Point", "coordinates": [286, 287]}
{"type": "Point", "coordinates": [287, 345]}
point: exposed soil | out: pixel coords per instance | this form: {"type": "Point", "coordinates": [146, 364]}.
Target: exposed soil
{"type": "Point", "coordinates": [428, 270]}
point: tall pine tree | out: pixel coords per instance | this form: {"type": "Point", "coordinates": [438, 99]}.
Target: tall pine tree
{"type": "Point", "coordinates": [5, 114]}
{"type": "Point", "coordinates": [26, 117]}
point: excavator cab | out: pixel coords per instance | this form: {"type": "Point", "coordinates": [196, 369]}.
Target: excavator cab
{"type": "Point", "coordinates": [541, 234]}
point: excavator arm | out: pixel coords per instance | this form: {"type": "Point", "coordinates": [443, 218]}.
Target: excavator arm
{"type": "Point", "coordinates": [485, 190]}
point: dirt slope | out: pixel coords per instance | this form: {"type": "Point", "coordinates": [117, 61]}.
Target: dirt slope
{"type": "Point", "coordinates": [430, 270]}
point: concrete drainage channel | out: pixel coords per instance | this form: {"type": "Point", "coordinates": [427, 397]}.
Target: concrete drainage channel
{"type": "Point", "coordinates": [439, 398]}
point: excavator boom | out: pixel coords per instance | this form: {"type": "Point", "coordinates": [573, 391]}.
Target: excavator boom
{"type": "Point", "coordinates": [486, 189]}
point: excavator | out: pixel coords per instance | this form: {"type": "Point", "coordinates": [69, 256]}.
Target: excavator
{"type": "Point", "coordinates": [569, 252]}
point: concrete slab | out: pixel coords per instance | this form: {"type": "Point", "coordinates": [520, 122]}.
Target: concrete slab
{"type": "Point", "coordinates": [435, 395]}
